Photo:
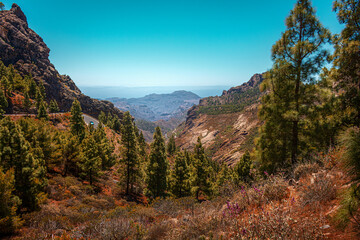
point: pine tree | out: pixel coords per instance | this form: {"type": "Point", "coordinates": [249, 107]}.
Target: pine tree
{"type": "Point", "coordinates": [27, 102]}
{"type": "Point", "coordinates": [180, 177]}
{"type": "Point", "coordinates": [32, 88]}
{"type": "Point", "coordinates": [69, 153]}
{"type": "Point", "coordinates": [3, 103]}
{"type": "Point", "coordinates": [200, 173]}
{"type": "Point", "coordinates": [106, 149]}
{"type": "Point", "coordinates": [242, 168]}
{"type": "Point", "coordinates": [42, 113]}
{"type": "Point", "coordinates": [157, 169]}
{"type": "Point", "coordinates": [130, 159]}
{"type": "Point", "coordinates": [77, 123]}
{"type": "Point", "coordinates": [39, 98]}
{"type": "Point", "coordinates": [347, 59]}
{"type": "Point", "coordinates": [29, 172]}
{"type": "Point", "coordinates": [9, 222]}
{"type": "Point", "coordinates": [298, 57]}
{"type": "Point", "coordinates": [103, 118]}
{"type": "Point", "coordinates": [142, 146]}
{"type": "Point", "coordinates": [91, 162]}
{"type": "Point", "coordinates": [171, 147]}
{"type": "Point", "coordinates": [53, 107]}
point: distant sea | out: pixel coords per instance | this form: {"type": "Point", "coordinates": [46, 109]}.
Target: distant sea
{"type": "Point", "coordinates": [103, 92]}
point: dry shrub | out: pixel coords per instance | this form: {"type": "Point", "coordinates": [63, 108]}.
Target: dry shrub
{"type": "Point", "coordinates": [159, 230]}
{"type": "Point", "coordinates": [275, 189]}
{"type": "Point", "coordinates": [203, 222]}
{"type": "Point", "coordinates": [305, 169]}
{"type": "Point", "coordinates": [115, 228]}
{"type": "Point", "coordinates": [276, 222]}
{"type": "Point", "coordinates": [320, 189]}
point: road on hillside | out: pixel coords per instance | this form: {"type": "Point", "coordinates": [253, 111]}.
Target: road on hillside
{"type": "Point", "coordinates": [87, 119]}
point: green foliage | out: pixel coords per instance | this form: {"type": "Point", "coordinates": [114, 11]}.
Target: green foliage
{"type": "Point", "coordinates": [69, 153]}
{"type": "Point", "coordinates": [180, 177]}
{"type": "Point", "coordinates": [112, 121]}
{"type": "Point", "coordinates": [27, 102]}
{"type": "Point", "coordinates": [42, 111]}
{"type": "Point", "coordinates": [157, 169]}
{"type": "Point", "coordinates": [29, 170]}
{"type": "Point", "coordinates": [287, 108]}
{"type": "Point", "coordinates": [77, 123]}
{"type": "Point", "coordinates": [347, 59]}
{"type": "Point", "coordinates": [242, 168]}
{"type": "Point", "coordinates": [91, 161]}
{"type": "Point", "coordinates": [106, 149]}
{"type": "Point", "coordinates": [9, 222]}
{"type": "Point", "coordinates": [171, 146]}
{"type": "Point", "coordinates": [3, 103]}
{"type": "Point", "coordinates": [200, 175]}
{"type": "Point", "coordinates": [142, 146]}
{"type": "Point", "coordinates": [349, 210]}
{"type": "Point", "coordinates": [130, 159]}
{"type": "Point", "coordinates": [2, 6]}
{"type": "Point", "coordinates": [54, 107]}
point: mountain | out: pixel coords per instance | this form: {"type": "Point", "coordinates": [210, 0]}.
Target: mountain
{"type": "Point", "coordinates": [227, 124]}
{"type": "Point", "coordinates": [21, 47]}
{"type": "Point", "coordinates": [164, 110]}
{"type": "Point", "coordinates": [154, 107]}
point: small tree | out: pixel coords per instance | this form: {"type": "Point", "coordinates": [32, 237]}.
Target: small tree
{"type": "Point", "coordinates": [53, 107]}
{"type": "Point", "coordinates": [180, 177]}
{"type": "Point", "coordinates": [42, 113]}
{"type": "Point", "coordinates": [242, 168]}
{"type": "Point", "coordinates": [3, 103]}
{"type": "Point", "coordinates": [9, 222]}
{"type": "Point", "coordinates": [2, 6]}
{"type": "Point", "coordinates": [27, 102]}
{"type": "Point", "coordinates": [77, 123]}
{"type": "Point", "coordinates": [157, 169]}
{"type": "Point", "coordinates": [171, 147]}
{"type": "Point", "coordinates": [91, 162]}
{"type": "Point", "coordinates": [106, 149]}
{"type": "Point", "coordinates": [200, 172]}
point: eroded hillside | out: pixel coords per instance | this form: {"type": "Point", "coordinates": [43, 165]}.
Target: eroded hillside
{"type": "Point", "coordinates": [227, 124]}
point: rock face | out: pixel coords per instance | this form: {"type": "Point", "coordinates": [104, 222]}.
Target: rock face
{"type": "Point", "coordinates": [27, 52]}
{"type": "Point", "coordinates": [227, 124]}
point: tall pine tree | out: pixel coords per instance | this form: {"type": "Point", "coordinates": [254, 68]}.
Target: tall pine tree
{"type": "Point", "coordinates": [200, 172]}
{"type": "Point", "coordinates": [180, 177]}
{"type": "Point", "coordinates": [157, 169]}
{"type": "Point", "coordinates": [298, 57]}
{"type": "Point", "coordinates": [130, 159]}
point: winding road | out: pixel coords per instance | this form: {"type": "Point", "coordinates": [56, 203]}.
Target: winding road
{"type": "Point", "coordinates": [87, 118]}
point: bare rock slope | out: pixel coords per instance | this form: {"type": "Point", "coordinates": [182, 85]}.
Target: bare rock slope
{"type": "Point", "coordinates": [27, 52]}
{"type": "Point", "coordinates": [227, 124]}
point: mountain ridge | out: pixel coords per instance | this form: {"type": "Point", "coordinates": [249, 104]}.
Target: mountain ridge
{"type": "Point", "coordinates": [23, 48]}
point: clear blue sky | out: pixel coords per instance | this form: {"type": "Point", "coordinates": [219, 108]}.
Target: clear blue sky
{"type": "Point", "coordinates": [162, 43]}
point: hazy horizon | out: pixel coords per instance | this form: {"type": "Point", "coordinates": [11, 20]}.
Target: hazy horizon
{"type": "Point", "coordinates": [104, 92]}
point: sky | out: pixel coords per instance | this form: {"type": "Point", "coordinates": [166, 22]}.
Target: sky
{"type": "Point", "coordinates": [142, 43]}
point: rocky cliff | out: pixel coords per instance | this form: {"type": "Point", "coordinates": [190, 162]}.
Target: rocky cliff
{"type": "Point", "coordinates": [227, 124]}
{"type": "Point", "coordinates": [27, 52]}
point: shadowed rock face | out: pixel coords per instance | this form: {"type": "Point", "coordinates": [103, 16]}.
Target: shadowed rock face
{"type": "Point", "coordinates": [23, 48]}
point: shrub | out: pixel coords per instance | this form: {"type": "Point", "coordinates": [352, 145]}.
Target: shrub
{"type": "Point", "coordinates": [322, 189]}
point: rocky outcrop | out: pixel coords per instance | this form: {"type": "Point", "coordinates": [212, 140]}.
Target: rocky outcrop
{"type": "Point", "coordinates": [27, 52]}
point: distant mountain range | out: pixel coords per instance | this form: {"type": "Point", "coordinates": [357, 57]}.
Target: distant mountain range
{"type": "Point", "coordinates": [164, 110]}
{"type": "Point", "coordinates": [156, 107]}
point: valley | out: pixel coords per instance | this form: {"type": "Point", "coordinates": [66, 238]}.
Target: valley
{"type": "Point", "coordinates": [273, 157]}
